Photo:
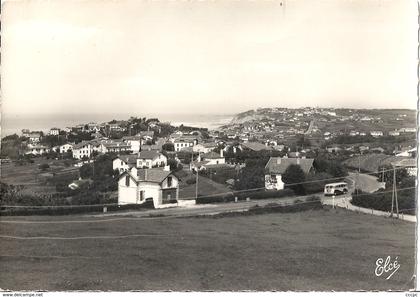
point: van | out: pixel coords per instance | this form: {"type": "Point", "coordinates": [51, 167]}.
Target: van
{"type": "Point", "coordinates": [336, 189]}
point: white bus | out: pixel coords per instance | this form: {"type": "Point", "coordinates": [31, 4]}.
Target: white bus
{"type": "Point", "coordinates": [336, 189]}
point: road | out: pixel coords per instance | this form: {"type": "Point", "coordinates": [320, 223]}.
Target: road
{"type": "Point", "coordinates": [365, 182]}
{"type": "Point", "coordinates": [189, 208]}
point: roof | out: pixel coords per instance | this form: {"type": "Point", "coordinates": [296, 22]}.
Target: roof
{"type": "Point", "coordinates": [256, 146]}
{"type": "Point", "coordinates": [409, 162]}
{"type": "Point", "coordinates": [148, 154]}
{"type": "Point", "coordinates": [34, 134]}
{"type": "Point", "coordinates": [115, 144]}
{"type": "Point", "coordinates": [138, 138]}
{"type": "Point", "coordinates": [207, 144]}
{"type": "Point", "coordinates": [278, 165]}
{"type": "Point", "coordinates": [212, 155]}
{"type": "Point", "coordinates": [129, 159]}
{"type": "Point", "coordinates": [80, 144]}
{"type": "Point", "coordinates": [150, 133]}
{"type": "Point", "coordinates": [155, 175]}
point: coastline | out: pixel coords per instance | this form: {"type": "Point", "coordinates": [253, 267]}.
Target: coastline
{"type": "Point", "coordinates": [11, 124]}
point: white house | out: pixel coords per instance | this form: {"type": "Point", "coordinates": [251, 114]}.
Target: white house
{"type": "Point", "coordinates": [137, 185]}
{"type": "Point", "coordinates": [184, 141]}
{"type": "Point", "coordinates": [37, 149]}
{"type": "Point", "coordinates": [204, 147]}
{"type": "Point", "coordinates": [151, 159]}
{"type": "Point", "coordinates": [394, 133]}
{"type": "Point", "coordinates": [209, 160]}
{"type": "Point", "coordinates": [407, 152]}
{"type": "Point", "coordinates": [64, 148]}
{"type": "Point", "coordinates": [276, 166]}
{"type": "Point", "coordinates": [34, 137]}
{"type": "Point", "coordinates": [376, 133]}
{"type": "Point", "coordinates": [213, 158]}
{"type": "Point", "coordinates": [54, 131]}
{"type": "Point", "coordinates": [113, 146]}
{"type": "Point", "coordinates": [410, 164]}
{"type": "Point", "coordinates": [134, 142]}
{"type": "Point", "coordinates": [124, 163]}
{"type": "Point", "coordinates": [82, 149]}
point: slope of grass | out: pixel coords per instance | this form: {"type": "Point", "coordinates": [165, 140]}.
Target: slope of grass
{"type": "Point", "coordinates": [312, 250]}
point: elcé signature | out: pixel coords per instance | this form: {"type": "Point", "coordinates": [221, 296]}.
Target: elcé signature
{"type": "Point", "coordinates": [385, 266]}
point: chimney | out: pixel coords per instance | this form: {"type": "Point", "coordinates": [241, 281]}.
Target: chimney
{"type": "Point", "coordinates": [221, 153]}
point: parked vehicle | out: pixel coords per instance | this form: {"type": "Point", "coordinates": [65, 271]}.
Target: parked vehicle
{"type": "Point", "coordinates": [336, 189]}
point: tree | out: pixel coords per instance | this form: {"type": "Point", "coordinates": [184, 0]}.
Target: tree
{"type": "Point", "coordinates": [173, 164]}
{"type": "Point", "coordinates": [168, 147]}
{"type": "Point", "coordinates": [293, 175]}
{"type": "Point", "coordinates": [400, 175]}
{"type": "Point", "coordinates": [86, 171]}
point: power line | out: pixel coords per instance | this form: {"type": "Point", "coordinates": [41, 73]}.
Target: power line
{"type": "Point", "coordinates": [191, 198]}
{"type": "Point", "coordinates": [175, 216]}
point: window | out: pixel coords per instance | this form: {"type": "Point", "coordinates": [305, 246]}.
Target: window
{"type": "Point", "coordinates": [121, 163]}
{"type": "Point", "coordinates": [127, 181]}
{"type": "Point", "coordinates": [141, 195]}
{"type": "Point", "coordinates": [169, 181]}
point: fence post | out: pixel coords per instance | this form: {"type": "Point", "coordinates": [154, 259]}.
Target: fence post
{"type": "Point", "coordinates": [372, 210]}
{"type": "Point", "coordinates": [236, 199]}
{"type": "Point", "coordinates": [105, 209]}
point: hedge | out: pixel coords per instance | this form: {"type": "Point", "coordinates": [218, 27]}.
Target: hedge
{"type": "Point", "coordinates": [312, 203]}
{"type": "Point", "coordinates": [255, 195]}
{"type": "Point", "coordinates": [76, 209]}
{"type": "Point", "coordinates": [383, 201]}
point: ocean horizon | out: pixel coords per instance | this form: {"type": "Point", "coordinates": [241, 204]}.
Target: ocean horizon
{"type": "Point", "coordinates": [11, 124]}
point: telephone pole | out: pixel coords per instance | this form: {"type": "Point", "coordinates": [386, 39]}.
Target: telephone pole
{"type": "Point", "coordinates": [394, 194]}
{"type": "Point", "coordinates": [196, 178]}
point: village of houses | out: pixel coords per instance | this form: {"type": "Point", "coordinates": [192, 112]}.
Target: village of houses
{"type": "Point", "coordinates": [142, 158]}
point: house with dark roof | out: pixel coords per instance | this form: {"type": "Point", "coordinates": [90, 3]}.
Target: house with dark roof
{"type": "Point", "coordinates": [114, 146]}
{"type": "Point", "coordinates": [134, 142]}
{"type": "Point", "coordinates": [82, 149]}
{"type": "Point", "coordinates": [209, 160]}
{"type": "Point", "coordinates": [124, 163]}
{"type": "Point", "coordinates": [149, 159]}
{"type": "Point", "coordinates": [256, 146]}
{"type": "Point", "coordinates": [276, 166]}
{"type": "Point", "coordinates": [410, 164]}
{"type": "Point", "coordinates": [137, 185]}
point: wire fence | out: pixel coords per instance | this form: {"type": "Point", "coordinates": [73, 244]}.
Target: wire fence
{"type": "Point", "coordinates": [193, 197]}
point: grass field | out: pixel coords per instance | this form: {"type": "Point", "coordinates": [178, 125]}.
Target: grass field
{"type": "Point", "coordinates": [31, 177]}
{"type": "Point", "coordinates": [313, 250]}
{"type": "Point", "coordinates": [205, 186]}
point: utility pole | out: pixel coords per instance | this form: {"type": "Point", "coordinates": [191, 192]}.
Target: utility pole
{"type": "Point", "coordinates": [196, 178]}
{"type": "Point", "coordinates": [394, 194]}
{"type": "Point", "coordinates": [383, 173]}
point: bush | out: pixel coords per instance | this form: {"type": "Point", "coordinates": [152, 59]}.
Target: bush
{"type": "Point", "coordinates": [191, 181]}
{"type": "Point", "coordinates": [382, 201]}
{"type": "Point", "coordinates": [44, 167]}
{"type": "Point", "coordinates": [255, 195]}
{"type": "Point", "coordinates": [72, 209]}
{"type": "Point", "coordinates": [316, 182]}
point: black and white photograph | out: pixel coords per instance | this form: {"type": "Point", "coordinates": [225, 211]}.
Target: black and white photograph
{"type": "Point", "coordinates": [208, 146]}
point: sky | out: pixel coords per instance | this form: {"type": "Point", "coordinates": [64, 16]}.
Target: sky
{"type": "Point", "coordinates": [216, 57]}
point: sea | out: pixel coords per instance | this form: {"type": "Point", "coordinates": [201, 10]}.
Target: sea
{"type": "Point", "coordinates": [14, 123]}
